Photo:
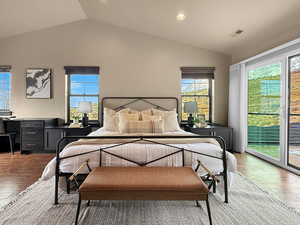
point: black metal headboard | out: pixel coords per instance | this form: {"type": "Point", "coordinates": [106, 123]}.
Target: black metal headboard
{"type": "Point", "coordinates": [155, 102]}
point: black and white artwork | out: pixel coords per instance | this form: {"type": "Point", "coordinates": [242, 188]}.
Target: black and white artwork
{"type": "Point", "coordinates": [38, 83]}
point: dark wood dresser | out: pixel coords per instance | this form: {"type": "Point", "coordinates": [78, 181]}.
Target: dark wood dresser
{"type": "Point", "coordinates": [40, 135]}
{"type": "Point", "coordinates": [32, 133]}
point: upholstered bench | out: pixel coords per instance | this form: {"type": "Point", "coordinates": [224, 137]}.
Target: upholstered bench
{"type": "Point", "coordinates": [143, 183]}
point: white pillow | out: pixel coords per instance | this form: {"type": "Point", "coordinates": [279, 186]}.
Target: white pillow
{"type": "Point", "coordinates": [170, 119]}
{"type": "Point", "coordinates": [148, 126]}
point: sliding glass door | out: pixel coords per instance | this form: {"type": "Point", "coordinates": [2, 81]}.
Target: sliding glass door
{"type": "Point", "coordinates": [264, 110]}
{"type": "Point", "coordinates": [294, 112]}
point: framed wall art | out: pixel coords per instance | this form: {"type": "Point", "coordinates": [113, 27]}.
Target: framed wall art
{"type": "Point", "coordinates": [38, 83]}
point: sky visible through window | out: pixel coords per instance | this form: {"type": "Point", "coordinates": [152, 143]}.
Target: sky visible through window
{"type": "Point", "coordinates": [83, 85]}
{"type": "Point", "coordinates": [5, 88]}
{"type": "Point", "coordinates": [84, 88]}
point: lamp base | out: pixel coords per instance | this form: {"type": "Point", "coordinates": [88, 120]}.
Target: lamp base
{"type": "Point", "coordinates": [191, 120]}
{"type": "Point", "coordinates": [85, 120]}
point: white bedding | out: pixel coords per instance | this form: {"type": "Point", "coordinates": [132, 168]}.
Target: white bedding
{"type": "Point", "coordinates": [141, 152]}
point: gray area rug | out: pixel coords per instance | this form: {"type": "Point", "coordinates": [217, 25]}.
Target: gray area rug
{"type": "Point", "coordinates": [248, 205]}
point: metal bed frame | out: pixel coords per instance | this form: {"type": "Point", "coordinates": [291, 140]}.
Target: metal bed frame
{"type": "Point", "coordinates": [135, 139]}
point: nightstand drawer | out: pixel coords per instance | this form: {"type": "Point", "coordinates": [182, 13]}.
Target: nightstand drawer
{"type": "Point", "coordinates": [201, 131]}
{"type": "Point", "coordinates": [35, 124]}
{"type": "Point", "coordinates": [31, 146]}
{"type": "Point", "coordinates": [32, 133]}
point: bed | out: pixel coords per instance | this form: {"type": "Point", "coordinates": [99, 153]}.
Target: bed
{"type": "Point", "coordinates": [167, 148]}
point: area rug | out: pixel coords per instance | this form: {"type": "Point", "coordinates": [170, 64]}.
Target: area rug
{"type": "Point", "coordinates": [248, 205]}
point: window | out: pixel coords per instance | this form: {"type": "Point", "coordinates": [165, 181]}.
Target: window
{"type": "Point", "coordinates": [5, 89]}
{"type": "Point", "coordinates": [83, 85]}
{"type": "Point", "coordinates": [196, 85]}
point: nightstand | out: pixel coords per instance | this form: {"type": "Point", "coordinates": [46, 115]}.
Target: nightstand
{"type": "Point", "coordinates": [54, 134]}
{"type": "Point", "coordinates": [212, 130]}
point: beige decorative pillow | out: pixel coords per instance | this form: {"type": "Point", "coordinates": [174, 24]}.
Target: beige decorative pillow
{"type": "Point", "coordinates": [147, 112]}
{"type": "Point", "coordinates": [157, 112]}
{"type": "Point", "coordinates": [124, 118]}
{"type": "Point", "coordinates": [149, 117]}
{"type": "Point", "coordinates": [132, 126]}
{"type": "Point", "coordinates": [158, 126]}
{"type": "Point", "coordinates": [111, 119]}
{"type": "Point", "coordinates": [170, 119]}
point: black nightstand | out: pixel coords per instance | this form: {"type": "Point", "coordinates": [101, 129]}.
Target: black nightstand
{"type": "Point", "coordinates": [212, 130]}
{"type": "Point", "coordinates": [54, 134]}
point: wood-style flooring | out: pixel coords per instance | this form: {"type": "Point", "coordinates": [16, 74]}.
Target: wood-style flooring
{"type": "Point", "coordinates": [20, 171]}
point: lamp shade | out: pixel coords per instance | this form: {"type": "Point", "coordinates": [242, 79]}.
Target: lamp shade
{"type": "Point", "coordinates": [190, 107]}
{"type": "Point", "coordinates": [85, 107]}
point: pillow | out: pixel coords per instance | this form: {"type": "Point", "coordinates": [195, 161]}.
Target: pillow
{"type": "Point", "coordinates": [149, 126]}
{"type": "Point", "coordinates": [111, 119]}
{"type": "Point", "coordinates": [124, 118]}
{"type": "Point", "coordinates": [2, 129]}
{"type": "Point", "coordinates": [149, 117]}
{"type": "Point", "coordinates": [147, 112]}
{"type": "Point", "coordinates": [170, 119]}
{"type": "Point", "coordinates": [128, 116]}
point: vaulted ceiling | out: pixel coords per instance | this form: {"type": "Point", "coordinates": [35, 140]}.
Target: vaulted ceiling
{"type": "Point", "coordinates": [209, 24]}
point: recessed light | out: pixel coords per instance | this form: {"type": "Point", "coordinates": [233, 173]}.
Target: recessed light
{"type": "Point", "coordinates": [180, 16]}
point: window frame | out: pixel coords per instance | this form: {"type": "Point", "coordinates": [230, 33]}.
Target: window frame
{"type": "Point", "coordinates": [209, 96]}
{"type": "Point", "coordinates": [8, 110]}
{"type": "Point", "coordinates": [69, 95]}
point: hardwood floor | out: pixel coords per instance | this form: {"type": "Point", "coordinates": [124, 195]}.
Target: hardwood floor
{"type": "Point", "coordinates": [20, 171]}
{"type": "Point", "coordinates": [281, 183]}
{"type": "Point", "coordinates": [17, 172]}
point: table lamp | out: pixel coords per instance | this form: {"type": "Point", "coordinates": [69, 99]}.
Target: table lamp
{"type": "Point", "coordinates": [191, 108]}
{"type": "Point", "coordinates": [85, 108]}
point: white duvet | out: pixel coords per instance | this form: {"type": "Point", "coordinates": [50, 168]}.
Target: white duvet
{"type": "Point", "coordinates": [141, 152]}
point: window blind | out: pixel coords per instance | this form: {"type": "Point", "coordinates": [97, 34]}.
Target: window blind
{"type": "Point", "coordinates": [197, 72]}
{"type": "Point", "coordinates": [5, 69]}
{"type": "Point", "coordinates": [82, 70]}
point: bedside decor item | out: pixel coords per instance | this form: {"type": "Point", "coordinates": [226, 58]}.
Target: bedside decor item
{"type": "Point", "coordinates": [200, 120]}
{"type": "Point", "coordinates": [85, 108]}
{"type": "Point", "coordinates": [38, 83]}
{"type": "Point", "coordinates": [191, 108]}
{"type": "Point", "coordinates": [74, 125]}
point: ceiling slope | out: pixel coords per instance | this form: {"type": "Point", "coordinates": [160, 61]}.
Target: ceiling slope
{"type": "Point", "coordinates": [209, 23]}
{"type": "Point", "coordinates": [20, 16]}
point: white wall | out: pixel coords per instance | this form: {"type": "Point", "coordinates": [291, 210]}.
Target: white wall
{"type": "Point", "coordinates": [132, 64]}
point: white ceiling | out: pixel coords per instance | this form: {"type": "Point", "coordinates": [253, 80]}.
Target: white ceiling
{"type": "Point", "coordinates": [20, 16]}
{"type": "Point", "coordinates": [209, 24]}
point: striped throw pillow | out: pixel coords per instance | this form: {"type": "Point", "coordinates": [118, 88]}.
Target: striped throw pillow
{"type": "Point", "coordinates": [149, 126]}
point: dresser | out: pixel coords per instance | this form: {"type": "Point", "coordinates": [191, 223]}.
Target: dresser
{"type": "Point", "coordinates": [30, 132]}
{"type": "Point", "coordinates": [40, 135]}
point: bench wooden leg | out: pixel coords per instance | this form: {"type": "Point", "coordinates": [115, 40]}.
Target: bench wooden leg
{"type": "Point", "coordinates": [78, 210]}
{"type": "Point", "coordinates": [208, 212]}
{"type": "Point", "coordinates": [88, 203]}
